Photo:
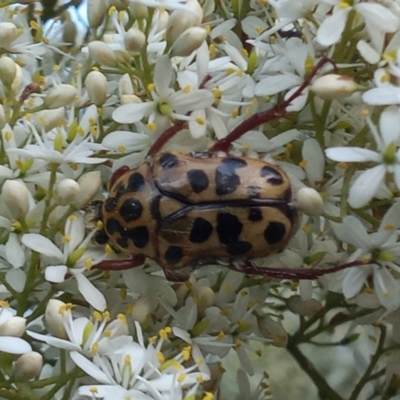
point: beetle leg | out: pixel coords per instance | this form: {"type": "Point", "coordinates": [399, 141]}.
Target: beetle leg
{"type": "Point", "coordinates": [120, 265]}
{"type": "Point", "coordinates": [165, 136]}
{"type": "Point", "coordinates": [248, 267]}
{"type": "Point", "coordinates": [277, 111]}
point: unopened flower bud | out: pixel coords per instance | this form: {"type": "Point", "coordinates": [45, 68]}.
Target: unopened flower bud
{"type": "Point", "coordinates": [8, 33]}
{"type": "Point", "coordinates": [96, 85]}
{"type": "Point", "coordinates": [180, 20]}
{"type": "Point", "coordinates": [2, 117]}
{"type": "Point", "coordinates": [90, 184]}
{"type": "Point", "coordinates": [130, 98]}
{"type": "Point", "coordinates": [17, 82]}
{"type": "Point", "coordinates": [333, 86]}
{"type": "Point", "coordinates": [8, 71]}
{"type": "Point", "coordinates": [54, 318]}
{"type": "Point", "coordinates": [125, 85]}
{"type": "Point", "coordinates": [49, 119]}
{"type": "Point", "coordinates": [60, 96]}
{"type": "Point", "coordinates": [16, 197]}
{"type": "Point", "coordinates": [206, 298]}
{"type": "Point", "coordinates": [138, 11]}
{"type": "Point", "coordinates": [28, 365]}
{"type": "Point", "coordinates": [96, 12]}
{"type": "Point", "coordinates": [68, 191]}
{"type": "Point", "coordinates": [310, 201]}
{"type": "Point", "coordinates": [189, 41]}
{"type": "Point", "coordinates": [102, 53]}
{"type": "Point", "coordinates": [141, 310]}
{"type": "Point", "coordinates": [15, 327]}
{"type": "Point", "coordinates": [69, 32]}
{"type": "Point", "coordinates": [123, 57]}
{"type": "Point", "coordinates": [134, 40]}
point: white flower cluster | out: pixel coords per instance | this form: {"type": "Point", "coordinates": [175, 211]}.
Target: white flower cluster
{"type": "Point", "coordinates": [313, 86]}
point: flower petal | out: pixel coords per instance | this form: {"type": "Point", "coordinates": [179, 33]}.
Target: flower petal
{"type": "Point", "coordinates": [14, 345]}
{"type": "Point", "coordinates": [274, 84]}
{"type": "Point", "coordinates": [389, 125]}
{"type": "Point", "coordinates": [89, 292]}
{"type": "Point", "coordinates": [365, 186]}
{"type": "Point", "coordinates": [42, 245]}
{"type": "Point", "coordinates": [378, 15]}
{"type": "Point", "coordinates": [332, 27]}
{"type": "Point", "coordinates": [352, 154]}
{"type": "Point", "coordinates": [352, 231]}
{"type": "Point", "coordinates": [383, 95]}
{"type": "Point", "coordinates": [314, 156]}
{"type": "Point", "coordinates": [89, 367]}
{"type": "Point", "coordinates": [387, 288]}
{"type": "Point", "coordinates": [354, 281]}
{"type": "Point", "coordinates": [133, 112]}
{"type": "Point", "coordinates": [55, 273]}
{"type": "Point", "coordinates": [54, 341]}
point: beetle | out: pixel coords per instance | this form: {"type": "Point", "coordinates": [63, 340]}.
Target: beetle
{"type": "Point", "coordinates": [183, 211]}
{"type": "Point", "coordinates": [188, 210]}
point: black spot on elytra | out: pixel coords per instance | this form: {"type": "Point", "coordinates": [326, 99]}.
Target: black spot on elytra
{"type": "Point", "coordinates": [201, 231]}
{"type": "Point", "coordinates": [253, 191]}
{"type": "Point", "coordinates": [111, 204]}
{"type": "Point", "coordinates": [228, 228]}
{"type": "Point", "coordinates": [272, 175]}
{"type": "Point", "coordinates": [234, 162]}
{"type": "Point", "coordinates": [226, 179]}
{"type": "Point", "coordinates": [238, 248]}
{"type": "Point", "coordinates": [135, 182]}
{"type": "Point", "coordinates": [169, 160]}
{"type": "Point", "coordinates": [113, 226]}
{"type": "Point", "coordinates": [139, 236]}
{"type": "Point", "coordinates": [274, 232]}
{"type": "Point", "coordinates": [173, 255]}
{"type": "Point", "coordinates": [198, 180]}
{"type": "Point", "coordinates": [255, 214]}
{"type": "Point", "coordinates": [131, 209]}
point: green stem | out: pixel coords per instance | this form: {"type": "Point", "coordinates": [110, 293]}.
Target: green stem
{"type": "Point", "coordinates": [341, 47]}
{"type": "Point", "coordinates": [62, 381]}
{"type": "Point", "coordinates": [324, 390]}
{"type": "Point", "coordinates": [374, 360]}
{"type": "Point", "coordinates": [345, 191]}
{"type": "Point", "coordinates": [49, 196]}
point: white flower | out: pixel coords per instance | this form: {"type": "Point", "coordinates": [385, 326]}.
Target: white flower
{"type": "Point", "coordinates": [376, 17]}
{"type": "Point", "coordinates": [381, 252]}
{"type": "Point", "coordinates": [54, 147]}
{"type": "Point", "coordinates": [166, 4]}
{"type": "Point", "coordinates": [96, 335]}
{"type": "Point", "coordinates": [387, 155]}
{"type": "Point", "coordinates": [166, 102]}
{"type": "Point", "coordinates": [286, 73]}
{"type": "Point", "coordinates": [138, 372]}
{"type": "Point", "coordinates": [74, 259]}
